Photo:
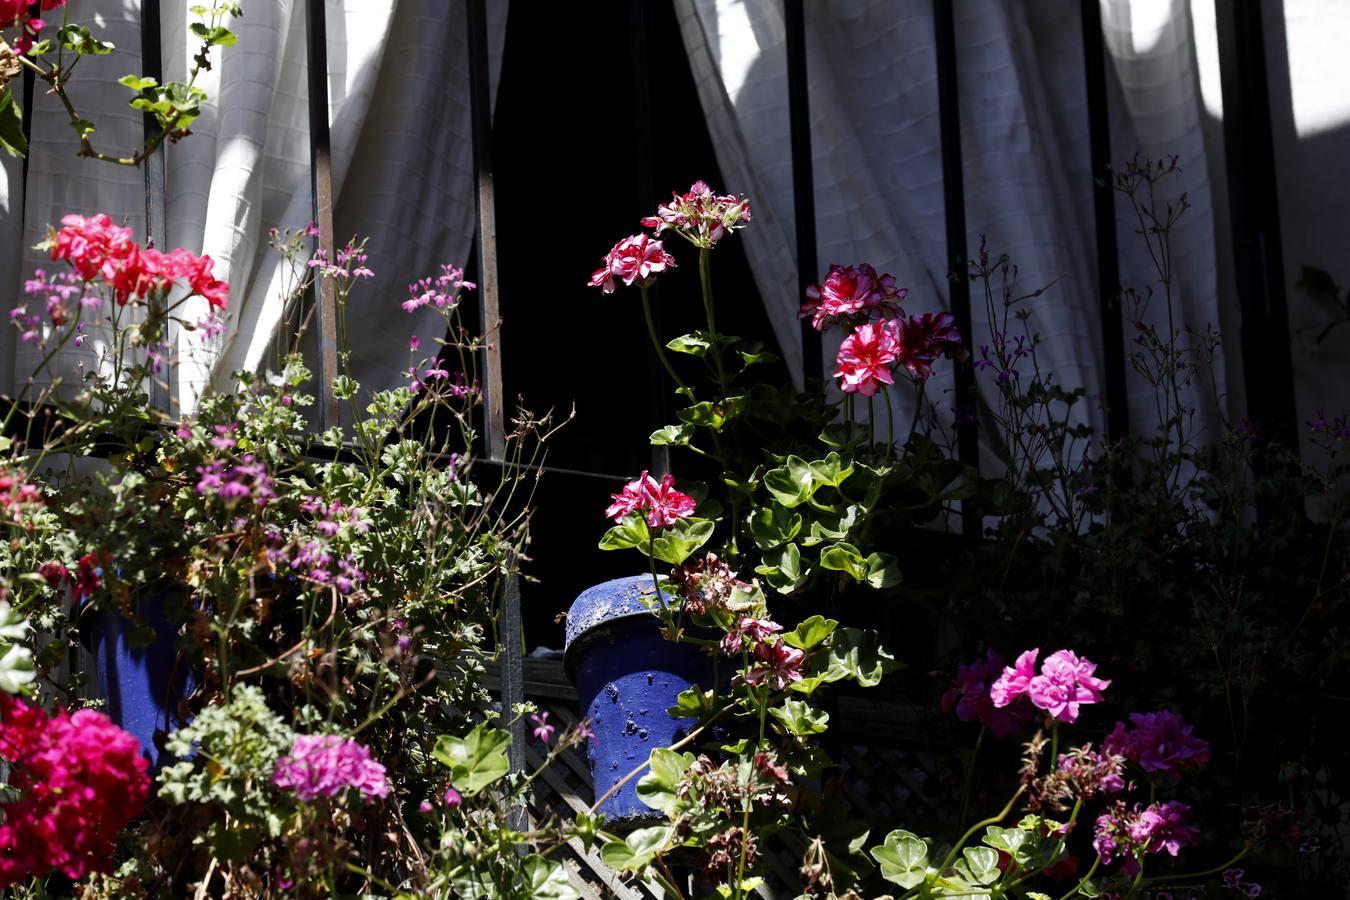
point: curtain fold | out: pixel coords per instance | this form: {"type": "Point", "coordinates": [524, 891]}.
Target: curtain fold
{"type": "Point", "coordinates": [402, 173]}
{"type": "Point", "coordinates": [878, 168]}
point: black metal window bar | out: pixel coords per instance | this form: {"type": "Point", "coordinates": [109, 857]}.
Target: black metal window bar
{"type": "Point", "coordinates": [1253, 200]}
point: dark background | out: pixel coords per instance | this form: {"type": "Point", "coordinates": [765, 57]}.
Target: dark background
{"type": "Point", "coordinates": [568, 149]}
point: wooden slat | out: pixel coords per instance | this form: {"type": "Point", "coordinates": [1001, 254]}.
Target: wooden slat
{"type": "Point", "coordinates": [321, 174]}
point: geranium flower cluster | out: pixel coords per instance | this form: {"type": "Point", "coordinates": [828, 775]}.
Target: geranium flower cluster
{"type": "Point", "coordinates": [705, 583]}
{"type": "Point", "coordinates": [18, 499]}
{"type": "Point", "coordinates": [328, 765]}
{"type": "Point", "coordinates": [60, 294]}
{"type": "Point", "coordinates": [1064, 683]}
{"type": "Point", "coordinates": [16, 12]}
{"type": "Point", "coordinates": [633, 260]}
{"type": "Point", "coordinates": [86, 579]}
{"type": "Point", "coordinates": [659, 502]}
{"type": "Point", "coordinates": [773, 660]}
{"type": "Point", "coordinates": [441, 292]}
{"type": "Point", "coordinates": [970, 697]}
{"type": "Point", "coordinates": [716, 793]}
{"type": "Point", "coordinates": [882, 338]}
{"type": "Point", "coordinates": [313, 560]}
{"type": "Point", "coordinates": [78, 778]}
{"type": "Point", "coordinates": [244, 480]}
{"type": "Point", "coordinates": [1128, 833]}
{"type": "Point", "coordinates": [852, 295]}
{"type": "Point", "coordinates": [350, 264]}
{"type": "Point", "coordinates": [1158, 742]}
{"type": "Point", "coordinates": [100, 251]}
{"type": "Point", "coordinates": [700, 216]}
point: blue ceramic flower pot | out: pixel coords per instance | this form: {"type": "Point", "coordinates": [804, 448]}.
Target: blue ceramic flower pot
{"type": "Point", "coordinates": [142, 683]}
{"type": "Point", "coordinates": [627, 676]}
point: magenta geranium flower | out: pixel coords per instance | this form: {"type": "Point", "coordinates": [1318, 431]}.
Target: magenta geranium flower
{"type": "Point", "coordinates": [1158, 742]}
{"type": "Point", "coordinates": [77, 781]}
{"type": "Point", "coordinates": [923, 339]}
{"type": "Point", "coordinates": [659, 501]}
{"type": "Point", "coordinates": [971, 699]}
{"type": "Point", "coordinates": [1065, 683]}
{"type": "Point", "coordinates": [865, 359]}
{"type": "Point", "coordinates": [1013, 683]}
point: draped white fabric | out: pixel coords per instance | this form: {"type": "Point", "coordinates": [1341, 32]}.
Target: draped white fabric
{"type": "Point", "coordinates": [402, 166]}
{"type": "Point", "coordinates": [877, 157]}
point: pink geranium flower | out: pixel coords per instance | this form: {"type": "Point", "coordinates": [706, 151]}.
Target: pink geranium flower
{"type": "Point", "coordinates": [659, 501]}
{"type": "Point", "coordinates": [1013, 683]}
{"type": "Point", "coordinates": [700, 216]}
{"type": "Point", "coordinates": [865, 359]}
{"type": "Point", "coordinates": [633, 260]}
{"type": "Point", "coordinates": [328, 765]}
{"type": "Point", "coordinates": [850, 294]}
{"type": "Point", "coordinates": [922, 339]}
{"type": "Point", "coordinates": [776, 661]}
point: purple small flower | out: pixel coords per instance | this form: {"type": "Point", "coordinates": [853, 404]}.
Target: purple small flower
{"type": "Point", "coordinates": [542, 730]}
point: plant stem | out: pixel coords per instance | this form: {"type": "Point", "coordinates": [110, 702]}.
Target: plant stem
{"type": "Point", "coordinates": [1084, 880]}
{"type": "Point", "coordinates": [993, 820]}
{"type": "Point", "coordinates": [715, 347]}
{"type": "Point", "coordinates": [970, 774]}
{"type": "Point", "coordinates": [656, 340]}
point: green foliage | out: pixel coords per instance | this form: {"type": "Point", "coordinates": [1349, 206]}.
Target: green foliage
{"type": "Point", "coordinates": [227, 755]}
{"type": "Point", "coordinates": [476, 760]}
{"type": "Point", "coordinates": [12, 140]}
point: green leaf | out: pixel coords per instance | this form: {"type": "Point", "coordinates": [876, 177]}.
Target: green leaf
{"type": "Point", "coordinates": [782, 568]}
{"type": "Point", "coordinates": [677, 542]}
{"type": "Point", "coordinates": [475, 760]}
{"type": "Point", "coordinates": [221, 36]}
{"type": "Point", "coordinates": [810, 632]}
{"type": "Point", "coordinates": [672, 435]}
{"type": "Point", "coordinates": [792, 483]}
{"type": "Point", "coordinates": [547, 879]}
{"type": "Point", "coordinates": [695, 344]}
{"type": "Point", "coordinates": [1018, 843]}
{"type": "Point", "coordinates": [137, 82]}
{"type": "Point", "coordinates": [752, 353]}
{"type": "Point", "coordinates": [978, 865]}
{"type": "Point", "coordinates": [691, 703]}
{"type": "Point", "coordinates": [882, 571]}
{"type": "Point", "coordinates": [666, 768]}
{"type": "Point", "coordinates": [903, 858]}
{"type": "Point", "coordinates": [857, 654]}
{"type": "Point", "coordinates": [832, 470]}
{"type": "Point", "coordinates": [12, 140]}
{"type": "Point", "coordinates": [774, 525]}
{"type": "Point", "coordinates": [637, 850]}
{"type": "Point", "coordinates": [712, 415]}
{"type": "Point", "coordinates": [82, 41]}
{"type": "Point", "coordinates": [801, 718]}
{"type": "Point", "coordinates": [842, 557]}
{"type": "Point", "coordinates": [631, 532]}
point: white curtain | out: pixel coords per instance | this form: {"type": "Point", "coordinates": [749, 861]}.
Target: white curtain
{"type": "Point", "coordinates": [878, 173]}
{"type": "Point", "coordinates": [402, 166]}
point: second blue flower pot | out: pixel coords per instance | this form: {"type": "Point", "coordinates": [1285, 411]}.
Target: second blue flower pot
{"type": "Point", "coordinates": [627, 676]}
